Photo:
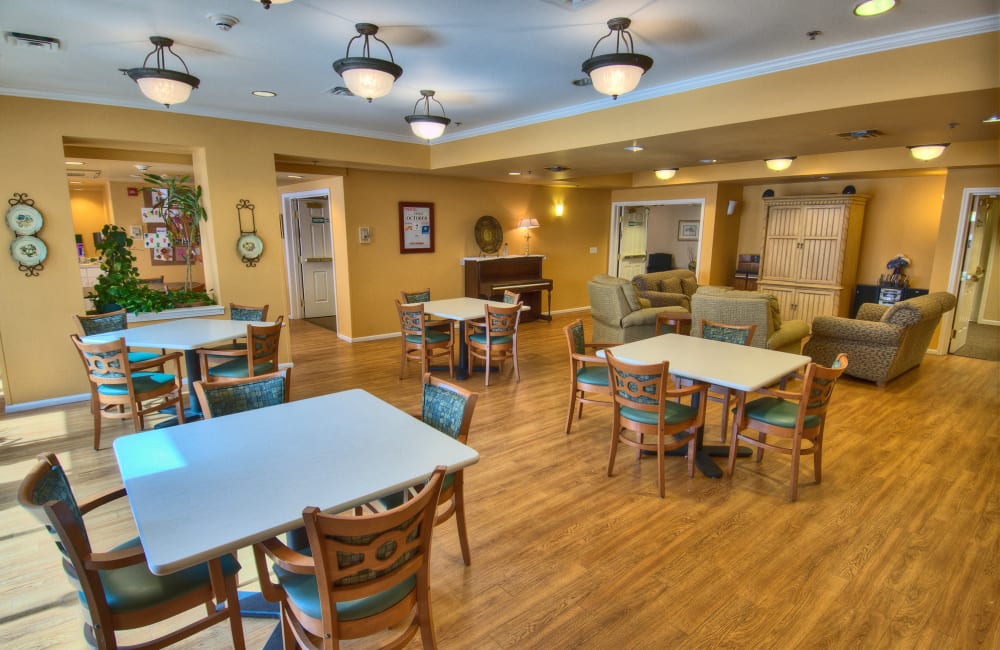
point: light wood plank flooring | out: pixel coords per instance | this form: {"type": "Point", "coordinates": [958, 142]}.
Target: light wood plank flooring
{"type": "Point", "coordinates": [898, 547]}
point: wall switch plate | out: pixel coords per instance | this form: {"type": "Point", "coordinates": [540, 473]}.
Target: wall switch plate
{"type": "Point", "coordinates": [593, 249]}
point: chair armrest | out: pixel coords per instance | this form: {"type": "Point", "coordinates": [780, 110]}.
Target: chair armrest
{"type": "Point", "coordinates": [97, 500]}
{"type": "Point", "coordinates": [284, 557]}
{"type": "Point", "coordinates": [791, 332]}
{"type": "Point", "coordinates": [210, 352]}
{"type": "Point", "coordinates": [851, 329]}
{"type": "Point", "coordinates": [586, 358]}
{"type": "Point", "coordinates": [158, 361]}
{"type": "Point", "coordinates": [599, 346]}
{"type": "Point", "coordinates": [116, 559]}
{"type": "Point", "coordinates": [689, 389]}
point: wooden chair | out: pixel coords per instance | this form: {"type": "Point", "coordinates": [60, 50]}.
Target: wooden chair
{"type": "Point", "coordinates": [420, 343]}
{"type": "Point", "coordinates": [511, 297]}
{"type": "Point", "coordinates": [112, 321]}
{"type": "Point", "coordinates": [242, 313]}
{"type": "Point", "coordinates": [585, 379]}
{"type": "Point", "coordinates": [494, 340]}
{"type": "Point", "coordinates": [798, 417]}
{"type": "Point", "coordinates": [737, 334]}
{"type": "Point", "coordinates": [448, 408]}
{"type": "Point", "coordinates": [423, 295]}
{"type": "Point", "coordinates": [363, 574]}
{"type": "Point", "coordinates": [259, 358]}
{"type": "Point", "coordinates": [117, 383]}
{"type": "Point", "coordinates": [225, 396]}
{"type": "Point", "coordinates": [643, 407]}
{"type": "Point", "coordinates": [116, 587]}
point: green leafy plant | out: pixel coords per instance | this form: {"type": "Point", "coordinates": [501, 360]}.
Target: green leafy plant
{"type": "Point", "coordinates": [181, 204]}
{"type": "Point", "coordinates": [119, 286]}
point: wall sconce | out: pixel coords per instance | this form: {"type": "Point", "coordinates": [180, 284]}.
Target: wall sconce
{"type": "Point", "coordinates": [163, 86]}
{"type": "Point", "coordinates": [527, 224]}
{"type": "Point", "coordinates": [927, 152]}
{"type": "Point", "coordinates": [779, 164]}
{"type": "Point", "coordinates": [665, 174]}
{"type": "Point", "coordinates": [618, 73]}
{"type": "Point", "coordinates": [560, 209]}
{"type": "Point", "coordinates": [364, 75]}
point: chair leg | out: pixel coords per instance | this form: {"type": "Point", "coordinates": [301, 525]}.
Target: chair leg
{"type": "Point", "coordinates": [692, 450]}
{"type": "Point", "coordinates": [97, 425]}
{"type": "Point", "coordinates": [572, 405]}
{"type": "Point", "coordinates": [615, 428]}
{"type": "Point", "coordinates": [725, 413]}
{"type": "Point", "coordinates": [426, 618]}
{"type": "Point", "coordinates": [796, 456]}
{"type": "Point", "coordinates": [402, 362]}
{"type": "Point", "coordinates": [517, 371]}
{"type": "Point", "coordinates": [818, 457]}
{"type": "Point", "coordinates": [489, 362]}
{"type": "Point", "coordinates": [660, 455]}
{"type": "Point", "coordinates": [463, 537]}
{"type": "Point", "coordinates": [734, 440]}
{"type": "Point", "coordinates": [235, 619]}
{"type": "Point", "coordinates": [760, 450]}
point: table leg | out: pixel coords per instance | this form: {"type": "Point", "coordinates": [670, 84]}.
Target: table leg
{"type": "Point", "coordinates": [192, 367]}
{"type": "Point", "coordinates": [704, 453]}
{"type": "Point", "coordinates": [462, 372]}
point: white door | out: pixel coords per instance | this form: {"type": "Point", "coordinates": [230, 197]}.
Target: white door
{"type": "Point", "coordinates": [973, 270]}
{"type": "Point", "coordinates": [312, 219]}
{"type": "Point", "coordinates": [632, 241]}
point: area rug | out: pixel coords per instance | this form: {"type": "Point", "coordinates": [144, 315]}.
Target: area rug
{"type": "Point", "coordinates": [326, 322]}
{"type": "Point", "coordinates": [983, 342]}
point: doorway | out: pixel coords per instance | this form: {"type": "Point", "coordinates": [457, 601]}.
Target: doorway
{"type": "Point", "coordinates": [641, 228]}
{"type": "Point", "coordinates": [309, 246]}
{"type": "Point", "coordinates": [975, 329]}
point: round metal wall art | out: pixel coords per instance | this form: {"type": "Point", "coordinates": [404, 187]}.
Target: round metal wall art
{"type": "Point", "coordinates": [489, 234]}
{"type": "Point", "coordinates": [24, 220]}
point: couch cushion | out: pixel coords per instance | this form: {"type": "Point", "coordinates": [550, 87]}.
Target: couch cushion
{"type": "Point", "coordinates": [645, 303]}
{"type": "Point", "coordinates": [689, 286]}
{"type": "Point", "coordinates": [671, 285]}
{"type": "Point", "coordinates": [903, 314]}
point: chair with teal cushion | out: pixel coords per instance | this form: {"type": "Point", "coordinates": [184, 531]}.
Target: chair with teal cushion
{"type": "Point", "coordinates": [420, 342]}
{"type": "Point", "coordinates": [117, 383]}
{"type": "Point", "coordinates": [798, 417]}
{"type": "Point", "coordinates": [424, 295]}
{"type": "Point", "coordinates": [737, 335]}
{"type": "Point", "coordinates": [91, 324]}
{"type": "Point", "coordinates": [243, 313]}
{"type": "Point", "coordinates": [116, 587]}
{"type": "Point", "coordinates": [588, 374]}
{"type": "Point", "coordinates": [643, 407]}
{"type": "Point", "coordinates": [448, 408]}
{"type": "Point", "coordinates": [226, 396]}
{"type": "Point", "coordinates": [494, 339]}
{"type": "Point", "coordinates": [360, 575]}
{"type": "Point", "coordinates": [259, 358]}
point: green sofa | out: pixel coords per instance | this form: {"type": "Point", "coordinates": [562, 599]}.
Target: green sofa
{"type": "Point", "coordinates": [617, 313]}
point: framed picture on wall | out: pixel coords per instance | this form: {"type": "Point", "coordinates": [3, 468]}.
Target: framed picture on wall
{"type": "Point", "coordinates": [687, 230]}
{"type": "Point", "coordinates": [416, 227]}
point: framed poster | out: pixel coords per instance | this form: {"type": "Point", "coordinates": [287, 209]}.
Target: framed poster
{"type": "Point", "coordinates": [416, 227]}
{"type": "Point", "coordinates": [687, 230]}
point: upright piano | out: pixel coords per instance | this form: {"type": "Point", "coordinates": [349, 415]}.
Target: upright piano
{"type": "Point", "coordinates": [488, 277]}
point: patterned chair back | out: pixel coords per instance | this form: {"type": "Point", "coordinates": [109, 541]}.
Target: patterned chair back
{"type": "Point", "coordinates": [422, 295]}
{"type": "Point", "coordinates": [738, 334]}
{"type": "Point", "coordinates": [411, 321]}
{"type": "Point", "coordinates": [227, 396]}
{"type": "Point", "coordinates": [101, 323]}
{"type": "Point", "coordinates": [243, 312]}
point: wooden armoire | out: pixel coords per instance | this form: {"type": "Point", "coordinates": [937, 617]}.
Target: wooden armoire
{"type": "Point", "coordinates": [809, 253]}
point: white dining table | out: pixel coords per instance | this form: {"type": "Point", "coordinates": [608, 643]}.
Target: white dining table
{"type": "Point", "coordinates": [186, 334]}
{"type": "Point", "coordinates": [207, 488]}
{"type": "Point", "coordinates": [739, 367]}
{"type": "Point", "coordinates": [461, 310]}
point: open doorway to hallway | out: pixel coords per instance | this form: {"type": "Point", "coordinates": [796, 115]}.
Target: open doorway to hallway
{"type": "Point", "coordinates": [309, 255]}
{"type": "Point", "coordinates": [975, 330]}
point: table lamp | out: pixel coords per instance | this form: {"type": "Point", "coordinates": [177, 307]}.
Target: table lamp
{"type": "Point", "coordinates": [527, 223]}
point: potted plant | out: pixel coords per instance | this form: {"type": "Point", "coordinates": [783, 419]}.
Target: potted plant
{"type": "Point", "coordinates": [180, 202]}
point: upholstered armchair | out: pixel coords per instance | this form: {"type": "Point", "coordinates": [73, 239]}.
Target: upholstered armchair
{"type": "Point", "coordinates": [884, 341]}
{"type": "Point", "coordinates": [667, 288]}
{"type": "Point", "coordinates": [618, 313]}
{"type": "Point", "coordinates": [731, 307]}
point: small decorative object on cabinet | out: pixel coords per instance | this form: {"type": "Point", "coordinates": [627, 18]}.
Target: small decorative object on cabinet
{"type": "Point", "coordinates": [747, 272]}
{"type": "Point", "coordinates": [249, 245]}
{"type": "Point", "coordinates": [809, 256]}
{"type": "Point", "coordinates": [25, 220]}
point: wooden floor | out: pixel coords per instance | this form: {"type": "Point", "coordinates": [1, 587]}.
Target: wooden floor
{"type": "Point", "coordinates": [897, 548]}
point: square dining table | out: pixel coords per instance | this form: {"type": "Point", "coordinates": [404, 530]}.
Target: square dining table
{"type": "Point", "coordinates": [186, 334]}
{"type": "Point", "coordinates": [461, 310]}
{"type": "Point", "coordinates": [207, 488]}
{"type": "Point", "coordinates": [739, 367]}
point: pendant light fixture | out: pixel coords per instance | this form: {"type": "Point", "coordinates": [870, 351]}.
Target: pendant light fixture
{"type": "Point", "coordinates": [364, 75]}
{"type": "Point", "coordinates": [618, 73]}
{"type": "Point", "coordinates": [267, 3]}
{"type": "Point", "coordinates": [927, 152]}
{"type": "Point", "coordinates": [163, 86]}
{"type": "Point", "coordinates": [666, 173]}
{"type": "Point", "coordinates": [779, 164]}
{"type": "Point", "coordinates": [424, 124]}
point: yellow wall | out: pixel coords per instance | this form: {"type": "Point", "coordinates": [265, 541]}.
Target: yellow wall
{"type": "Point", "coordinates": [90, 214]}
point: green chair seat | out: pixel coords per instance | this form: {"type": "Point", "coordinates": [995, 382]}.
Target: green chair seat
{"type": "Point", "coordinates": [778, 412]}
{"type": "Point", "coordinates": [593, 375]}
{"type": "Point", "coordinates": [432, 336]}
{"type": "Point", "coordinates": [480, 337]}
{"type": "Point", "coordinates": [673, 413]}
{"type": "Point", "coordinates": [237, 368]}
{"type": "Point", "coordinates": [302, 591]}
{"type": "Point", "coordinates": [142, 382]}
{"type": "Point", "coordinates": [134, 587]}
{"type": "Point", "coordinates": [136, 357]}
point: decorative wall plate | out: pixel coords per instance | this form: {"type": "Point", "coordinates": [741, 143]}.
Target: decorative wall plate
{"type": "Point", "coordinates": [24, 219]}
{"type": "Point", "coordinates": [250, 246]}
{"type": "Point", "coordinates": [489, 234]}
{"type": "Point", "coordinates": [28, 251]}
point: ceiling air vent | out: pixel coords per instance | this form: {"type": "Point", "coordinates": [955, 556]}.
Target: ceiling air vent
{"type": "Point", "coordinates": [557, 168]}
{"type": "Point", "coordinates": [863, 134]}
{"type": "Point", "coordinates": [91, 174]}
{"type": "Point", "coordinates": [340, 90]}
{"type": "Point", "coordinates": [18, 39]}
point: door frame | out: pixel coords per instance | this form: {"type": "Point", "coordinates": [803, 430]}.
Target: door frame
{"type": "Point", "coordinates": [291, 244]}
{"type": "Point", "coordinates": [617, 210]}
{"type": "Point", "coordinates": [957, 259]}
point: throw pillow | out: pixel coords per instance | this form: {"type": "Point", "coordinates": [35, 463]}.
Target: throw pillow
{"type": "Point", "coordinates": [775, 309]}
{"type": "Point", "coordinates": [690, 285]}
{"type": "Point", "coordinates": [645, 303]}
{"type": "Point", "coordinates": [671, 285]}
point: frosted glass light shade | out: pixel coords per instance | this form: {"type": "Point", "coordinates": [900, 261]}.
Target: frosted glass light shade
{"type": "Point", "coordinates": [163, 90]}
{"type": "Point", "coordinates": [927, 152]}
{"type": "Point", "coordinates": [665, 174]}
{"type": "Point", "coordinates": [368, 82]}
{"type": "Point", "coordinates": [427, 127]}
{"type": "Point", "coordinates": [873, 7]}
{"type": "Point", "coordinates": [779, 164]}
{"type": "Point", "coordinates": [616, 80]}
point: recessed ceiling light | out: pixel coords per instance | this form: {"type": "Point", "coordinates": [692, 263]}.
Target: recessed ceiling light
{"type": "Point", "coordinates": [513, 173]}
{"type": "Point", "coordinates": [991, 119]}
{"type": "Point", "coordinates": [264, 93]}
{"type": "Point", "coordinates": [779, 164]}
{"type": "Point", "coordinates": [73, 162]}
{"type": "Point", "coordinates": [708, 161]}
{"type": "Point", "coordinates": [873, 7]}
{"type": "Point", "coordinates": [666, 173]}
{"type": "Point", "coordinates": [294, 176]}
{"type": "Point", "coordinates": [635, 147]}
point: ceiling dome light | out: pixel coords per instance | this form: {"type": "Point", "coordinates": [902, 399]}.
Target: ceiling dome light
{"type": "Point", "coordinates": [618, 73]}
{"type": "Point", "coordinates": [927, 152]}
{"type": "Point", "coordinates": [873, 7]}
{"type": "Point", "coordinates": [779, 164]}
{"type": "Point", "coordinates": [267, 3]}
{"type": "Point", "coordinates": [425, 125]}
{"type": "Point", "coordinates": [163, 86]}
{"type": "Point", "coordinates": [665, 174]}
{"type": "Point", "coordinates": [366, 76]}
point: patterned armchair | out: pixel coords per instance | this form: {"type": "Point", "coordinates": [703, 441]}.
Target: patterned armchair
{"type": "Point", "coordinates": [731, 307]}
{"type": "Point", "coordinates": [667, 288]}
{"type": "Point", "coordinates": [883, 342]}
{"type": "Point", "coordinates": [618, 313]}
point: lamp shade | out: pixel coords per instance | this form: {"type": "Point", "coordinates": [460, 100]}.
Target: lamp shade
{"type": "Point", "coordinates": [927, 152]}
{"type": "Point", "coordinates": [665, 174]}
{"type": "Point", "coordinates": [527, 222]}
{"type": "Point", "coordinates": [779, 164]}
{"type": "Point", "coordinates": [425, 125]}
{"type": "Point", "coordinates": [618, 73]}
{"type": "Point", "coordinates": [364, 75]}
{"type": "Point", "coordinates": [159, 84]}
